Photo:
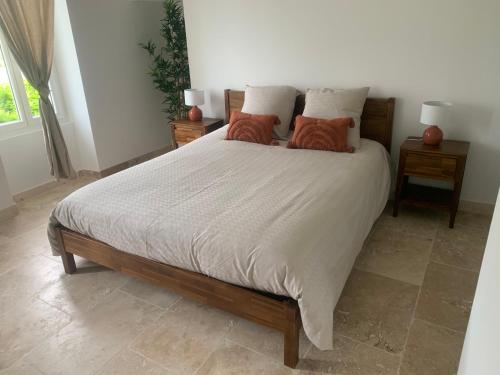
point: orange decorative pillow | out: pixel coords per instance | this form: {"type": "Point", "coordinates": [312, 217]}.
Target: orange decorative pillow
{"type": "Point", "coordinates": [317, 134]}
{"type": "Point", "coordinates": [251, 128]}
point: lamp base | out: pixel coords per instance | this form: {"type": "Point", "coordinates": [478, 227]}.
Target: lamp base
{"type": "Point", "coordinates": [195, 114]}
{"type": "Point", "coordinates": [433, 136]}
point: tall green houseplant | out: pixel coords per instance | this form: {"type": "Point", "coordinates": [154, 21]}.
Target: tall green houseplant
{"type": "Point", "coordinates": [170, 68]}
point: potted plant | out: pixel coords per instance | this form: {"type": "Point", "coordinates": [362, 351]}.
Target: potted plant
{"type": "Point", "coordinates": [170, 68]}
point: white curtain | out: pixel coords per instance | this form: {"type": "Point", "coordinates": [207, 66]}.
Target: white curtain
{"type": "Point", "coordinates": [28, 26]}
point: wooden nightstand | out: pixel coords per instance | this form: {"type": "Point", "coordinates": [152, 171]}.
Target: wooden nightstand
{"type": "Point", "coordinates": [185, 131]}
{"type": "Point", "coordinates": [445, 162]}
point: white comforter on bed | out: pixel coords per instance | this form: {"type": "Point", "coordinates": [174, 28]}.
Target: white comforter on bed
{"type": "Point", "coordinates": [289, 222]}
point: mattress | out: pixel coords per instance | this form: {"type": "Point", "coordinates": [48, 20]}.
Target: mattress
{"type": "Point", "coordinates": [288, 222]}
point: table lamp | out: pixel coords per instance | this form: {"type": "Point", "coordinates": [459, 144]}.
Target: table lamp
{"type": "Point", "coordinates": [435, 114]}
{"type": "Point", "coordinates": [194, 98]}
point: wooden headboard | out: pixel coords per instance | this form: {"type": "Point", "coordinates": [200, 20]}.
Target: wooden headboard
{"type": "Point", "coordinates": [376, 120]}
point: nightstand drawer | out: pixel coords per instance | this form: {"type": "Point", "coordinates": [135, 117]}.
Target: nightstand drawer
{"type": "Point", "coordinates": [186, 135]}
{"type": "Point", "coordinates": [184, 131]}
{"type": "Point", "coordinates": [427, 165]}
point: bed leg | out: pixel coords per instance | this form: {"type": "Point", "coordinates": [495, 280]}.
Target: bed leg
{"type": "Point", "coordinates": [69, 264]}
{"type": "Point", "coordinates": [68, 259]}
{"type": "Point", "coordinates": [291, 347]}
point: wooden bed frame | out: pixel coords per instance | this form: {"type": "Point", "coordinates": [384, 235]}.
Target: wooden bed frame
{"type": "Point", "coordinates": [278, 312]}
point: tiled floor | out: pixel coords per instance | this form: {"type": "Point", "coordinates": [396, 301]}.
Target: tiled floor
{"type": "Point", "coordinates": [403, 311]}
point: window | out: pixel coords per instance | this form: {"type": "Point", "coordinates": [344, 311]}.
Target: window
{"type": "Point", "coordinates": [8, 106]}
{"type": "Point", "coordinates": [19, 107]}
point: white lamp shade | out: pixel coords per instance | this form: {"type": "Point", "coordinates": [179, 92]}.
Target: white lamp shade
{"type": "Point", "coordinates": [194, 97]}
{"type": "Point", "coordinates": [435, 113]}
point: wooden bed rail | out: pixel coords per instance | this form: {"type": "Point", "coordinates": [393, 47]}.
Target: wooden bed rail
{"type": "Point", "coordinates": [276, 312]}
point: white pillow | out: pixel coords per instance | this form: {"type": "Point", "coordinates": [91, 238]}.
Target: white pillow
{"type": "Point", "coordinates": [272, 100]}
{"type": "Point", "coordinates": [333, 103]}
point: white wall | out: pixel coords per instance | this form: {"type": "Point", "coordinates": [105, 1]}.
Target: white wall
{"type": "Point", "coordinates": [413, 50]}
{"type": "Point", "coordinates": [83, 152]}
{"type": "Point", "coordinates": [123, 106]}
{"type": "Point", "coordinates": [25, 159]}
{"type": "Point", "coordinates": [5, 195]}
{"type": "Point", "coordinates": [480, 351]}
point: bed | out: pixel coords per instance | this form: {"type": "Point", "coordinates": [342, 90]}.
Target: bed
{"type": "Point", "coordinates": [264, 232]}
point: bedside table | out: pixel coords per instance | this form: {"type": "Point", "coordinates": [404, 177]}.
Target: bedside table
{"type": "Point", "coordinates": [445, 163]}
{"type": "Point", "coordinates": [185, 131]}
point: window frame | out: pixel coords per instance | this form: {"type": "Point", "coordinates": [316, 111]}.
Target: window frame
{"type": "Point", "coordinates": [27, 122]}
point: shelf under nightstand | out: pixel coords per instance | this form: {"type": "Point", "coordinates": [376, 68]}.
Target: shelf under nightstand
{"type": "Point", "coordinates": [427, 197]}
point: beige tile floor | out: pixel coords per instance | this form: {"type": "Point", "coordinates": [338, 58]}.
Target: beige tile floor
{"type": "Point", "coordinates": [403, 311]}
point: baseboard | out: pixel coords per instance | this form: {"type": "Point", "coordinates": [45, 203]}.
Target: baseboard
{"type": "Point", "coordinates": [477, 207]}
{"type": "Point", "coordinates": [126, 164]}
{"type": "Point", "coordinates": [34, 191]}
{"type": "Point", "coordinates": [87, 173]}
{"type": "Point", "coordinates": [8, 212]}
{"type": "Point", "coordinates": [467, 206]}
{"type": "Point", "coordinates": [470, 207]}
{"type": "Point", "coordinates": [135, 161]}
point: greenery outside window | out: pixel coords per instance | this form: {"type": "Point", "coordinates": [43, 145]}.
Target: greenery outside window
{"type": "Point", "coordinates": [19, 107]}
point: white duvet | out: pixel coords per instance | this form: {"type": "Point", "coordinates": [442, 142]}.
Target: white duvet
{"type": "Point", "coordinates": [289, 222]}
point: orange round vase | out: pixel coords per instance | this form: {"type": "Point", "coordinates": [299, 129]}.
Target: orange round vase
{"type": "Point", "coordinates": [195, 114]}
{"type": "Point", "coordinates": [433, 136]}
